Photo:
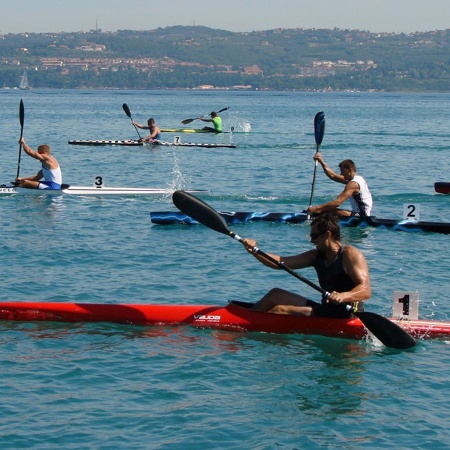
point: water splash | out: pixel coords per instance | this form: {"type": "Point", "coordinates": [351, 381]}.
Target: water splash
{"type": "Point", "coordinates": [179, 181]}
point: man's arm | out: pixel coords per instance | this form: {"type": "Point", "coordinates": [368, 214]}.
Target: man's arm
{"type": "Point", "coordinates": [156, 131]}
{"type": "Point", "coordinates": [328, 171]}
{"type": "Point", "coordinates": [349, 190]}
{"type": "Point", "coordinates": [29, 151]}
{"type": "Point", "coordinates": [36, 177]}
{"type": "Point", "coordinates": [355, 266]}
{"type": "Point", "coordinates": [143, 127]}
{"type": "Point", "coordinates": [300, 261]}
{"type": "Point", "coordinates": [151, 136]}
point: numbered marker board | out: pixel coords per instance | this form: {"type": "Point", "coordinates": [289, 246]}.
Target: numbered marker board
{"type": "Point", "coordinates": [406, 305]}
{"type": "Point", "coordinates": [99, 182]}
{"type": "Point", "coordinates": [411, 211]}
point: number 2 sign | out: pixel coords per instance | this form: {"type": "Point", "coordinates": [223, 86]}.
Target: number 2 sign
{"type": "Point", "coordinates": [411, 211]}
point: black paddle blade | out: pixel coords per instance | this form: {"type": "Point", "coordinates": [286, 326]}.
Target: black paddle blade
{"type": "Point", "coordinates": [127, 110]}
{"type": "Point", "coordinates": [223, 109]}
{"type": "Point", "coordinates": [389, 333]}
{"type": "Point", "coordinates": [319, 127]}
{"type": "Point", "coordinates": [200, 211]}
{"type": "Point", "coordinates": [21, 113]}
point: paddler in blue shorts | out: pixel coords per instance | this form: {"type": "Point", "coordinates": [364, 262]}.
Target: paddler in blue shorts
{"type": "Point", "coordinates": [50, 171]}
{"type": "Point", "coordinates": [216, 121]}
{"type": "Point", "coordinates": [155, 131]}
{"type": "Point", "coordinates": [342, 271]}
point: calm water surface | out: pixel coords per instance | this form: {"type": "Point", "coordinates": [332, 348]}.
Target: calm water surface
{"type": "Point", "coordinates": [109, 386]}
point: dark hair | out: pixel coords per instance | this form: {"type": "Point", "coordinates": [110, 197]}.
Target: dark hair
{"type": "Point", "coordinates": [348, 163]}
{"type": "Point", "coordinates": [213, 114]}
{"type": "Point", "coordinates": [328, 222]}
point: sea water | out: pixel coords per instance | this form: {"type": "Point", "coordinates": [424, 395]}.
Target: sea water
{"type": "Point", "coordinates": [114, 386]}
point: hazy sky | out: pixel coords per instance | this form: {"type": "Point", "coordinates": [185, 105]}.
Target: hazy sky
{"type": "Point", "coordinates": [233, 15]}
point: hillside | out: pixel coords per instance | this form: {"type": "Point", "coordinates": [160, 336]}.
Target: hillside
{"type": "Point", "coordinates": [187, 57]}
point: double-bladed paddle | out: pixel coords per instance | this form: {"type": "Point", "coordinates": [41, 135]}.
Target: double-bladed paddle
{"type": "Point", "coordinates": [22, 120]}
{"type": "Point", "coordinates": [128, 113]}
{"type": "Point", "coordinates": [186, 121]}
{"type": "Point", "coordinates": [390, 334]}
{"type": "Point", "coordinates": [319, 131]}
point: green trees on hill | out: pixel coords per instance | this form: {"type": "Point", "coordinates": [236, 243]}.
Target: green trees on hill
{"type": "Point", "coordinates": [189, 57]}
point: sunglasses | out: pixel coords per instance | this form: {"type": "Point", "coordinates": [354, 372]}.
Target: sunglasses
{"type": "Point", "coordinates": [314, 236]}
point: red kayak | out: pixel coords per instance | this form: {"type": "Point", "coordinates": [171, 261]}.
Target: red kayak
{"type": "Point", "coordinates": [441, 187]}
{"type": "Point", "coordinates": [236, 316]}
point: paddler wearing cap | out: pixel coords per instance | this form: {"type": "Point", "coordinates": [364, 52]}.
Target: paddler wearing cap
{"type": "Point", "coordinates": [216, 121]}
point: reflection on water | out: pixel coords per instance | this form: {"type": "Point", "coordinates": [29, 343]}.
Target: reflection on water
{"type": "Point", "coordinates": [359, 236]}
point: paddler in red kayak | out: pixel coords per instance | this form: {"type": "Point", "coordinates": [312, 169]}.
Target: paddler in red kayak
{"type": "Point", "coordinates": [342, 271]}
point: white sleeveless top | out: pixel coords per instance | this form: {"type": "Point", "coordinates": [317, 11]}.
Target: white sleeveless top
{"type": "Point", "coordinates": [362, 201]}
{"type": "Point", "coordinates": [52, 174]}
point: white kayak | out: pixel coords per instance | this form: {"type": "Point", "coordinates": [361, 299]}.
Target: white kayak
{"type": "Point", "coordinates": [90, 190]}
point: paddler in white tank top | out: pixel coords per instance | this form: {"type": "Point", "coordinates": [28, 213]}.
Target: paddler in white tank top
{"type": "Point", "coordinates": [50, 171]}
{"type": "Point", "coordinates": [356, 190]}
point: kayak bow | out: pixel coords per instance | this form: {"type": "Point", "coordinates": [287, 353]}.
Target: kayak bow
{"type": "Point", "coordinates": [442, 187]}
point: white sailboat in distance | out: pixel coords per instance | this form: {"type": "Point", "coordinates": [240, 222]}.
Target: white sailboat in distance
{"type": "Point", "coordinates": [24, 82]}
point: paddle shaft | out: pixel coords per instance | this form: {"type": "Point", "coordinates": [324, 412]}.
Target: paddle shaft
{"type": "Point", "coordinates": [22, 120]}
{"type": "Point", "coordinates": [313, 180]}
{"type": "Point", "coordinates": [186, 121]}
{"type": "Point", "coordinates": [128, 113]}
{"type": "Point", "coordinates": [283, 266]}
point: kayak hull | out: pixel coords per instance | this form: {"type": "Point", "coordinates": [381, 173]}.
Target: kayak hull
{"type": "Point", "coordinates": [236, 316]}
{"type": "Point", "coordinates": [191, 144]}
{"type": "Point", "coordinates": [103, 142]}
{"type": "Point", "coordinates": [135, 143]}
{"type": "Point", "coordinates": [89, 190]}
{"type": "Point", "coordinates": [176, 217]}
